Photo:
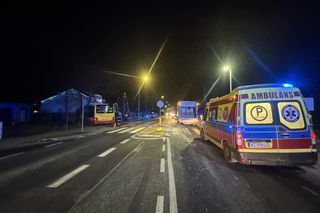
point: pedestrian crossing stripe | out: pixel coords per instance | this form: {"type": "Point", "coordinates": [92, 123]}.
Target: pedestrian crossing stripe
{"type": "Point", "coordinates": [117, 130]}
{"type": "Point", "coordinates": [137, 130]}
{"type": "Point", "coordinates": [127, 130]}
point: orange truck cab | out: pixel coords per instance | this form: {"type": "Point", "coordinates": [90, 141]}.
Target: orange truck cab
{"type": "Point", "coordinates": [266, 124]}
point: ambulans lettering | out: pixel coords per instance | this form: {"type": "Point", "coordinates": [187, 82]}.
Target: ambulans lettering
{"type": "Point", "coordinates": [272, 95]}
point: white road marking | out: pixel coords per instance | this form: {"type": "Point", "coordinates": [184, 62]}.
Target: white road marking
{"type": "Point", "coordinates": [311, 191]}
{"type": "Point", "coordinates": [53, 144]}
{"type": "Point", "coordinates": [137, 130]}
{"type": "Point", "coordinates": [67, 177]}
{"type": "Point", "coordinates": [235, 177]}
{"type": "Point", "coordinates": [81, 136]}
{"type": "Point", "coordinates": [172, 186]}
{"type": "Point", "coordinates": [125, 141]}
{"type": "Point", "coordinates": [187, 131]}
{"type": "Point", "coordinates": [164, 139]}
{"type": "Point", "coordinates": [186, 138]}
{"type": "Point", "coordinates": [117, 130]}
{"type": "Point", "coordinates": [163, 148]}
{"type": "Point", "coordinates": [86, 193]}
{"type": "Point", "coordinates": [197, 131]}
{"type": "Point", "coordinates": [160, 202]}
{"type": "Point", "coordinates": [127, 130]}
{"type": "Point", "coordinates": [12, 155]}
{"type": "Point", "coordinates": [162, 165]}
{"type": "Point", "coordinates": [102, 155]}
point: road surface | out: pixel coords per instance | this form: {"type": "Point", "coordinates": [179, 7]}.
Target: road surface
{"type": "Point", "coordinates": [144, 168]}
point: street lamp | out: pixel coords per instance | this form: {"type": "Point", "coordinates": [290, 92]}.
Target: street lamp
{"type": "Point", "coordinates": [162, 96]}
{"type": "Point", "coordinates": [227, 68]}
{"type": "Point", "coordinates": [145, 79]}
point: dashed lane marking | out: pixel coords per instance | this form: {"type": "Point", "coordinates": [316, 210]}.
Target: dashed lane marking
{"type": "Point", "coordinates": [117, 130]}
{"type": "Point", "coordinates": [54, 144]}
{"type": "Point", "coordinates": [12, 155]}
{"type": "Point", "coordinates": [67, 177]}
{"type": "Point", "coordinates": [102, 155]}
{"type": "Point", "coordinates": [172, 185]}
{"type": "Point", "coordinates": [163, 147]}
{"type": "Point", "coordinates": [162, 165]}
{"type": "Point", "coordinates": [137, 130]}
{"type": "Point", "coordinates": [124, 141]}
{"type": "Point", "coordinates": [311, 191]}
{"type": "Point", "coordinates": [86, 193]}
{"type": "Point", "coordinates": [197, 131]}
{"type": "Point", "coordinates": [160, 202]}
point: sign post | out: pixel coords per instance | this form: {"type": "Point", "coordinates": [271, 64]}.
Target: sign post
{"type": "Point", "coordinates": [1, 130]}
{"type": "Point", "coordinates": [160, 104]}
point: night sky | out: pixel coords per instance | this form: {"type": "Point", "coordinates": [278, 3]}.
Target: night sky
{"type": "Point", "coordinates": [49, 47]}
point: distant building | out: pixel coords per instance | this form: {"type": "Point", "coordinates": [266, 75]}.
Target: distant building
{"type": "Point", "coordinates": [55, 107]}
{"type": "Point", "coordinates": [11, 112]}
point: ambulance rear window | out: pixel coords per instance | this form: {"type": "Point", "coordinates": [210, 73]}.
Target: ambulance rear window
{"type": "Point", "coordinates": [285, 113]}
{"type": "Point", "coordinates": [259, 113]}
{"type": "Point", "coordinates": [291, 115]}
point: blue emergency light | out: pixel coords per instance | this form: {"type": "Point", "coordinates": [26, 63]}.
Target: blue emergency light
{"type": "Point", "coordinates": [287, 85]}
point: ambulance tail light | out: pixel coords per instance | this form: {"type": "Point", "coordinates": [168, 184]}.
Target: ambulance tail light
{"type": "Point", "coordinates": [239, 137]}
{"type": "Point", "coordinates": [313, 138]}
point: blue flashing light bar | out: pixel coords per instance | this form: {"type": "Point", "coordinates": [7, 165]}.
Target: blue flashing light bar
{"type": "Point", "coordinates": [287, 85]}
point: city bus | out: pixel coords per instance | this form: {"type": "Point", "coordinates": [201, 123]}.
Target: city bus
{"type": "Point", "coordinates": [187, 112]}
{"type": "Point", "coordinates": [266, 124]}
{"type": "Point", "coordinates": [101, 114]}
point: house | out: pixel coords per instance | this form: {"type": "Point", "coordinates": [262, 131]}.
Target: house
{"type": "Point", "coordinates": [12, 112]}
{"type": "Point", "coordinates": [66, 103]}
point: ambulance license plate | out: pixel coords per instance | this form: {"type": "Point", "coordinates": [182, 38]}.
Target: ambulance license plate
{"type": "Point", "coordinates": [259, 144]}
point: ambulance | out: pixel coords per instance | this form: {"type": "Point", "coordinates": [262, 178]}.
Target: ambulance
{"type": "Point", "coordinates": [265, 124]}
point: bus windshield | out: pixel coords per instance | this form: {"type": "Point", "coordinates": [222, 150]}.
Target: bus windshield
{"type": "Point", "coordinates": [101, 108]}
{"type": "Point", "coordinates": [189, 112]}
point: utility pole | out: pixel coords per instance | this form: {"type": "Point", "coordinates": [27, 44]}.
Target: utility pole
{"type": "Point", "coordinates": [82, 113]}
{"type": "Point", "coordinates": [67, 110]}
{"type": "Point", "coordinates": [125, 105]}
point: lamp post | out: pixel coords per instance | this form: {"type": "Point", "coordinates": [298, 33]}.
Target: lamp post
{"type": "Point", "coordinates": [145, 79]}
{"type": "Point", "coordinates": [228, 68]}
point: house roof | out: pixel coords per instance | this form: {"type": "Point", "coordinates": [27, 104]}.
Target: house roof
{"type": "Point", "coordinates": [64, 92]}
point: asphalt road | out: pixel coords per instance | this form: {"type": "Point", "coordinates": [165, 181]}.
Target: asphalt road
{"type": "Point", "coordinates": [141, 168]}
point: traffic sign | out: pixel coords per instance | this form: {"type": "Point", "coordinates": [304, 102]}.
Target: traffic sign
{"type": "Point", "coordinates": [160, 104]}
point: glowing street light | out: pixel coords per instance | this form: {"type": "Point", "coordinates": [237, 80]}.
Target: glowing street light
{"type": "Point", "coordinates": [145, 79]}
{"type": "Point", "coordinates": [162, 96]}
{"type": "Point", "coordinates": [227, 68]}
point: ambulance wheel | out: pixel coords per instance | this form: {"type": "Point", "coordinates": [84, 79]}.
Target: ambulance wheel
{"type": "Point", "coordinates": [227, 154]}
